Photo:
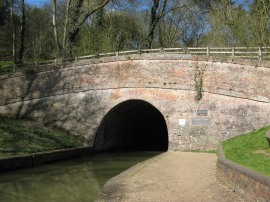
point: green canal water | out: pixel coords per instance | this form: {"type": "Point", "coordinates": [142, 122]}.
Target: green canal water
{"type": "Point", "coordinates": [74, 180]}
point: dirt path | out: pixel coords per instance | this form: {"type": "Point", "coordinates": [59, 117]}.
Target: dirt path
{"type": "Point", "coordinates": [173, 176]}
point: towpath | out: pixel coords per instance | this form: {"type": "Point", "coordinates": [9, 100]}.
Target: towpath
{"type": "Point", "coordinates": [172, 176]}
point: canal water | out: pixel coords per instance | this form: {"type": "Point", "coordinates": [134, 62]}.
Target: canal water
{"type": "Point", "coordinates": [74, 180]}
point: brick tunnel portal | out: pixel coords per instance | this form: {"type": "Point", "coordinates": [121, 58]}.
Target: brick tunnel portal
{"type": "Point", "coordinates": [133, 125]}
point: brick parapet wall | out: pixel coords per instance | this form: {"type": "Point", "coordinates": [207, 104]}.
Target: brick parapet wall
{"type": "Point", "coordinates": [151, 56]}
{"type": "Point", "coordinates": [76, 97]}
{"type": "Point", "coordinates": [174, 72]}
{"type": "Point", "coordinates": [252, 186]}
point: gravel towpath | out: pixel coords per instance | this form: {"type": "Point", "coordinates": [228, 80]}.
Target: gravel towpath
{"type": "Point", "coordinates": [172, 176]}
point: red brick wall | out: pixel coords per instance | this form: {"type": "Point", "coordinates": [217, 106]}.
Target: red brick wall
{"type": "Point", "coordinates": [77, 97]}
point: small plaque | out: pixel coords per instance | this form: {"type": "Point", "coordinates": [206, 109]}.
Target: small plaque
{"type": "Point", "coordinates": [201, 121]}
{"type": "Point", "coordinates": [202, 112]}
{"type": "Point", "coordinates": [182, 122]}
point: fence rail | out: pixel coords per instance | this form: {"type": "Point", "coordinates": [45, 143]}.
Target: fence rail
{"type": "Point", "coordinates": [259, 53]}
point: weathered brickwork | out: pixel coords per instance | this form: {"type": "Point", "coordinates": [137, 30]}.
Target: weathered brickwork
{"type": "Point", "coordinates": [235, 97]}
{"type": "Point", "coordinates": [251, 185]}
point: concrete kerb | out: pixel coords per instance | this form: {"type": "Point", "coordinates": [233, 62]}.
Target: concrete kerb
{"type": "Point", "coordinates": [238, 176]}
{"type": "Point", "coordinates": [40, 158]}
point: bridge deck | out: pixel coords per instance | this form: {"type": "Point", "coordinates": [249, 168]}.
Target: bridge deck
{"type": "Point", "coordinates": [173, 176]}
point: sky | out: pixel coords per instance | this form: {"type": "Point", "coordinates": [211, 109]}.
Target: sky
{"type": "Point", "coordinates": [40, 3]}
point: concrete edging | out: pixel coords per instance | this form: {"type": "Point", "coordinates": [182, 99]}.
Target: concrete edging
{"type": "Point", "coordinates": [252, 186]}
{"type": "Point", "coordinates": [36, 159]}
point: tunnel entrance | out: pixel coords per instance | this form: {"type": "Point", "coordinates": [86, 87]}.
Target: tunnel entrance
{"type": "Point", "coordinates": [133, 125]}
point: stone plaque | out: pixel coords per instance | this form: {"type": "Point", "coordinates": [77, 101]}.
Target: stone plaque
{"type": "Point", "coordinates": [182, 122]}
{"type": "Point", "coordinates": [201, 121]}
{"type": "Point", "coordinates": [202, 112]}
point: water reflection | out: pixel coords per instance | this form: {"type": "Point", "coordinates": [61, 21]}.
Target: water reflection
{"type": "Point", "coordinates": [75, 180]}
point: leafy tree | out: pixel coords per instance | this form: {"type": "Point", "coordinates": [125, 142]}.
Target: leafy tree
{"type": "Point", "coordinates": [182, 27]}
{"type": "Point", "coordinates": [259, 21]}
{"type": "Point", "coordinates": [78, 11]}
{"type": "Point", "coordinates": [22, 33]}
{"type": "Point", "coordinates": [228, 25]}
{"type": "Point", "coordinates": [3, 12]}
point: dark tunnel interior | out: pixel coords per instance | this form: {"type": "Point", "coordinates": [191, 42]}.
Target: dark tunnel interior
{"type": "Point", "coordinates": [133, 125]}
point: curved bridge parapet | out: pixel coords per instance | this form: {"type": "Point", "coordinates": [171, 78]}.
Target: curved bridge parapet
{"type": "Point", "coordinates": [202, 101]}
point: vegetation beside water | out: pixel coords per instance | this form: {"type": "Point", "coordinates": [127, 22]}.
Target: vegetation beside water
{"type": "Point", "coordinates": [19, 137]}
{"type": "Point", "coordinates": [250, 150]}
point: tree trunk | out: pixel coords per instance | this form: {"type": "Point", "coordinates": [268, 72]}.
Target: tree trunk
{"type": "Point", "coordinates": [13, 35]}
{"type": "Point", "coordinates": [58, 46]}
{"type": "Point", "coordinates": [156, 15]}
{"type": "Point", "coordinates": [66, 24]}
{"type": "Point", "coordinates": [75, 18]}
{"type": "Point", "coordinates": [153, 22]}
{"type": "Point", "coordinates": [22, 34]}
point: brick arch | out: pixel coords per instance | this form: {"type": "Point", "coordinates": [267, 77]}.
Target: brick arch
{"type": "Point", "coordinates": [132, 125]}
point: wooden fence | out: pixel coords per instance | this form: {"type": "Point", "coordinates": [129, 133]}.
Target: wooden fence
{"type": "Point", "coordinates": [260, 53]}
{"type": "Point", "coordinates": [255, 53]}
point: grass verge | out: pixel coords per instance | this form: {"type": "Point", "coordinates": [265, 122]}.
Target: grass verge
{"type": "Point", "coordinates": [19, 137]}
{"type": "Point", "coordinates": [250, 150]}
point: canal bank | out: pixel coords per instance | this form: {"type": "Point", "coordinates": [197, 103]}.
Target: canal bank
{"type": "Point", "coordinates": [172, 176]}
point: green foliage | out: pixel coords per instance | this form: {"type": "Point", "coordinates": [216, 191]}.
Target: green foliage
{"type": "Point", "coordinates": [5, 67]}
{"type": "Point", "coordinates": [3, 12]}
{"type": "Point", "coordinates": [250, 150]}
{"type": "Point", "coordinates": [24, 137]}
{"type": "Point", "coordinates": [91, 27]}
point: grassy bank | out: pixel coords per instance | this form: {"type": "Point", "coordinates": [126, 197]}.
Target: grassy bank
{"type": "Point", "coordinates": [18, 137]}
{"type": "Point", "coordinates": [250, 150]}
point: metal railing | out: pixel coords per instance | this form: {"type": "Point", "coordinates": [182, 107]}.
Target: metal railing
{"type": "Point", "coordinates": [257, 53]}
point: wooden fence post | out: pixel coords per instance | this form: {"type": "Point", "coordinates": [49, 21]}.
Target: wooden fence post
{"type": "Point", "coordinates": [208, 51]}
{"type": "Point", "coordinates": [260, 53]}
{"type": "Point", "coordinates": [233, 52]}
{"type": "Point", "coordinates": [36, 65]}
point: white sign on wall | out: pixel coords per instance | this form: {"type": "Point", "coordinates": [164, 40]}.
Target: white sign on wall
{"type": "Point", "coordinates": [182, 122]}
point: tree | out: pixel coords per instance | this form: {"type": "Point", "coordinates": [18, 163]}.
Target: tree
{"type": "Point", "coordinates": [3, 12]}
{"type": "Point", "coordinates": [11, 4]}
{"type": "Point", "coordinates": [158, 10]}
{"type": "Point", "coordinates": [56, 37]}
{"type": "Point", "coordinates": [39, 34]}
{"type": "Point", "coordinates": [22, 33]}
{"type": "Point", "coordinates": [182, 27]}
{"type": "Point", "coordinates": [228, 23]}
{"type": "Point", "coordinates": [78, 11]}
{"type": "Point", "coordinates": [259, 21]}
